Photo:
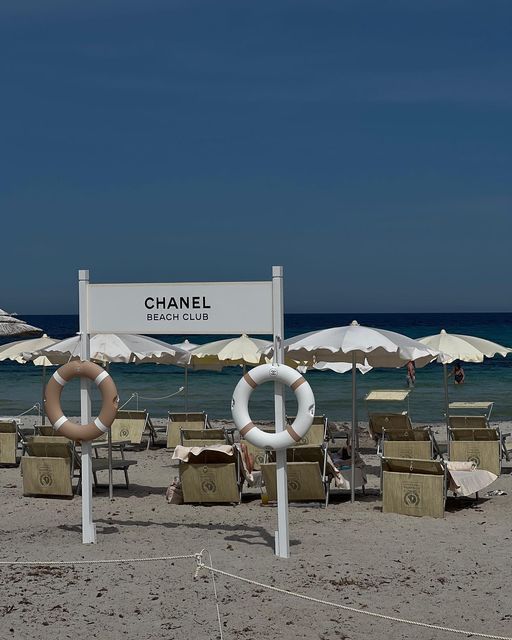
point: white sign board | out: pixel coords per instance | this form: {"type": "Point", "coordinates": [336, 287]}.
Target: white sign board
{"type": "Point", "coordinates": [181, 308]}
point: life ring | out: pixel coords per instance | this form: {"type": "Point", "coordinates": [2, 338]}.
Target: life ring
{"type": "Point", "coordinates": [305, 411]}
{"type": "Point", "coordinates": [110, 400]}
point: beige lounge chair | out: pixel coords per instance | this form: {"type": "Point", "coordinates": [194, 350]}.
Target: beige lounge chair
{"type": "Point", "coordinates": [379, 421]}
{"type": "Point", "coordinates": [317, 433]}
{"type": "Point", "coordinates": [8, 442]}
{"type": "Point", "coordinates": [481, 446]}
{"type": "Point", "coordinates": [409, 443]}
{"type": "Point", "coordinates": [203, 437]}
{"type": "Point", "coordinates": [256, 455]}
{"type": "Point", "coordinates": [130, 426]}
{"type": "Point", "coordinates": [48, 467]}
{"type": "Point", "coordinates": [468, 422]}
{"type": "Point", "coordinates": [210, 474]}
{"type": "Point", "coordinates": [309, 474]}
{"type": "Point", "coordinates": [419, 487]}
{"type": "Point", "coordinates": [177, 421]}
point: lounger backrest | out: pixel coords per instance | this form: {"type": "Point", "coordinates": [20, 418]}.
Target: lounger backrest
{"type": "Point", "coordinates": [468, 422]}
{"type": "Point", "coordinates": [379, 421]}
{"type": "Point", "coordinates": [474, 435]}
{"type": "Point", "coordinates": [409, 435]}
{"type": "Point", "coordinates": [177, 421]}
{"type": "Point", "coordinates": [8, 442]}
{"type": "Point", "coordinates": [316, 433]}
{"type": "Point", "coordinates": [202, 437]}
{"type": "Point", "coordinates": [46, 430]}
{"type": "Point", "coordinates": [129, 426]}
{"type": "Point", "coordinates": [49, 447]}
{"type": "Point", "coordinates": [7, 426]}
{"type": "Point", "coordinates": [405, 465]}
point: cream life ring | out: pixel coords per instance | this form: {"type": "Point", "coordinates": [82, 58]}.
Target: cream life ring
{"type": "Point", "coordinates": [110, 401]}
{"type": "Point", "coordinates": [305, 410]}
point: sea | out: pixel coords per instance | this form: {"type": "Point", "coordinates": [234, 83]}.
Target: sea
{"type": "Point", "coordinates": [157, 387]}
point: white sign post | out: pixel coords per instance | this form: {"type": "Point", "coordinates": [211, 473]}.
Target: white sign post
{"type": "Point", "coordinates": [184, 308]}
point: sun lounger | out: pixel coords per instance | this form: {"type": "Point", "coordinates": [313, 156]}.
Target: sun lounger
{"type": "Point", "coordinates": [130, 426]}
{"type": "Point", "coordinates": [481, 446]}
{"type": "Point", "coordinates": [310, 471]}
{"type": "Point", "coordinates": [468, 422]}
{"type": "Point", "coordinates": [409, 443]}
{"type": "Point", "coordinates": [419, 487]}
{"type": "Point", "coordinates": [8, 442]}
{"type": "Point", "coordinates": [48, 467]}
{"type": "Point", "coordinates": [177, 421]}
{"type": "Point", "coordinates": [379, 421]}
{"type": "Point", "coordinates": [203, 437]}
{"type": "Point", "coordinates": [210, 474]}
{"type": "Point", "coordinates": [317, 433]}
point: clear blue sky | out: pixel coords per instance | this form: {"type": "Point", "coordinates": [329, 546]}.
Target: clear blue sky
{"type": "Point", "coordinates": [364, 145]}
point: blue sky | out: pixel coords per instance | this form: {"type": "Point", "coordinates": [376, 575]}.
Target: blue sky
{"type": "Point", "coordinates": [364, 145]}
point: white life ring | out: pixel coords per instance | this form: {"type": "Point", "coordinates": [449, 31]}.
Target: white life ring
{"type": "Point", "coordinates": [110, 400]}
{"type": "Point", "coordinates": [305, 410]}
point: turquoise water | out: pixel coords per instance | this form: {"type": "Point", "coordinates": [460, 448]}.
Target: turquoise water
{"type": "Point", "coordinates": [21, 385]}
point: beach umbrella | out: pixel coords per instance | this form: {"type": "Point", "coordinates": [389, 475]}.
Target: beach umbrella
{"type": "Point", "coordinates": [460, 347]}
{"type": "Point", "coordinates": [232, 351]}
{"type": "Point", "coordinates": [356, 344]}
{"type": "Point", "coordinates": [111, 347]}
{"type": "Point", "coordinates": [22, 350]}
{"type": "Point", "coordinates": [11, 326]}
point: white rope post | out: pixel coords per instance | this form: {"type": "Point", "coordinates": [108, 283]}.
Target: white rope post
{"type": "Point", "coordinates": [88, 526]}
{"type": "Point", "coordinates": [282, 538]}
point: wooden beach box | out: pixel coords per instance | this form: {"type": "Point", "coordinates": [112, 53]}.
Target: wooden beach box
{"type": "Point", "coordinates": [177, 421]}
{"type": "Point", "coordinates": [8, 442]}
{"type": "Point", "coordinates": [47, 469]}
{"type": "Point", "coordinates": [407, 443]}
{"type": "Point", "coordinates": [413, 487]}
{"type": "Point", "coordinates": [481, 446]}
{"type": "Point", "coordinates": [211, 476]}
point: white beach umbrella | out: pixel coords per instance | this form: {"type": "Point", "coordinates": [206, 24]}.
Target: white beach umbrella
{"type": "Point", "coordinates": [22, 350]}
{"type": "Point", "coordinates": [356, 344]}
{"type": "Point", "coordinates": [12, 326]}
{"type": "Point", "coordinates": [232, 351]}
{"type": "Point", "coordinates": [460, 347]}
{"type": "Point", "coordinates": [111, 347]}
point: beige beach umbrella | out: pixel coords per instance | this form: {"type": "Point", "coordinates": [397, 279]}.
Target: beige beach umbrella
{"type": "Point", "coordinates": [12, 326]}
{"type": "Point", "coordinates": [453, 346]}
{"type": "Point", "coordinates": [356, 344]}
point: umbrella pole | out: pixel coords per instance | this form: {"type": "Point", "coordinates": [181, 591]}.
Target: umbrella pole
{"type": "Point", "coordinates": [110, 480]}
{"type": "Point", "coordinates": [43, 412]}
{"type": "Point", "coordinates": [186, 388]}
{"type": "Point", "coordinates": [446, 400]}
{"type": "Point", "coordinates": [354, 429]}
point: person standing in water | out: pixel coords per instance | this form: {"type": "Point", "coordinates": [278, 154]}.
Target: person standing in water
{"type": "Point", "coordinates": [458, 374]}
{"type": "Point", "coordinates": [411, 374]}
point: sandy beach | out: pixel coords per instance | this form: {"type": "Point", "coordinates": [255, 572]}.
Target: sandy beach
{"type": "Point", "coordinates": [451, 572]}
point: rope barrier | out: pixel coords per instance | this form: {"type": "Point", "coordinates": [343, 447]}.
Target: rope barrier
{"type": "Point", "coordinates": [34, 406]}
{"type": "Point", "coordinates": [201, 565]}
{"type": "Point", "coordinates": [56, 563]}
{"type": "Point", "coordinates": [348, 608]}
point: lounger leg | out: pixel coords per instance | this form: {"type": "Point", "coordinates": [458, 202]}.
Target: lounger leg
{"type": "Point", "coordinates": [126, 478]}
